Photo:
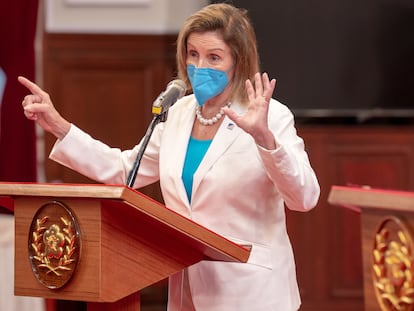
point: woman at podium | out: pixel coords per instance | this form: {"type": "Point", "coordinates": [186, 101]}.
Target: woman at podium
{"type": "Point", "coordinates": [228, 157]}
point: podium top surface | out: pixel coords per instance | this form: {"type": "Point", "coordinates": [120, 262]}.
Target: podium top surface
{"type": "Point", "coordinates": [64, 190]}
{"type": "Point", "coordinates": [355, 198]}
{"type": "Point", "coordinates": [216, 246]}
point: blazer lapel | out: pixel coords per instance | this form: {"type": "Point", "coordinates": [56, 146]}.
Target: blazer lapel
{"type": "Point", "coordinates": [225, 136]}
{"type": "Point", "coordinates": [178, 155]}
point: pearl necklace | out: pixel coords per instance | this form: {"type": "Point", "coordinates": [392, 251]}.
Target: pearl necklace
{"type": "Point", "coordinates": [212, 120]}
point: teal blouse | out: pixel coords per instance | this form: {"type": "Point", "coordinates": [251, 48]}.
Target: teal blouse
{"type": "Point", "coordinates": [195, 153]}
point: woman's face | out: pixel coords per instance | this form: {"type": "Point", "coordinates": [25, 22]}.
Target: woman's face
{"type": "Point", "coordinates": [208, 50]}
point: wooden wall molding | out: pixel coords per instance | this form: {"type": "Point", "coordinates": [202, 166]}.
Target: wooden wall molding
{"type": "Point", "coordinates": [105, 84]}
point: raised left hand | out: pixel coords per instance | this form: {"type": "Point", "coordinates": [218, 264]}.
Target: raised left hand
{"type": "Point", "coordinates": [254, 121]}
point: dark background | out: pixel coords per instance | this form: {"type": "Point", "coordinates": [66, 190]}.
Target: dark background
{"type": "Point", "coordinates": [337, 56]}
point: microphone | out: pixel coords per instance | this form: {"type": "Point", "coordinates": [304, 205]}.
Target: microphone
{"type": "Point", "coordinates": [174, 91]}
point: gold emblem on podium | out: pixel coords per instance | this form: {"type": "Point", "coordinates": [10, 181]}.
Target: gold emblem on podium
{"type": "Point", "coordinates": [393, 266]}
{"type": "Point", "coordinates": [54, 244]}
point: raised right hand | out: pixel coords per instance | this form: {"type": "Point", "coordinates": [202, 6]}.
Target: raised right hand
{"type": "Point", "coordinates": [39, 108]}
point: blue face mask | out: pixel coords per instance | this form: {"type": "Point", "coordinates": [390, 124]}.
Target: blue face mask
{"type": "Point", "coordinates": [206, 82]}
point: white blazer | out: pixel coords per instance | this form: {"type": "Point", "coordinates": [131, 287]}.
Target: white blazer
{"type": "Point", "coordinates": [240, 191]}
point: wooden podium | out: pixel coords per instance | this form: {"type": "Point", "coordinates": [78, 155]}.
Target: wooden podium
{"type": "Point", "coordinates": [113, 242]}
{"type": "Point", "coordinates": [387, 227]}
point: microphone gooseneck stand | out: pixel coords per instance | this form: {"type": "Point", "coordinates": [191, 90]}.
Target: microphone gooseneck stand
{"type": "Point", "coordinates": [133, 173]}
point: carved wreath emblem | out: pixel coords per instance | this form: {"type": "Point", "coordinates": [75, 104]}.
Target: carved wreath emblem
{"type": "Point", "coordinates": [393, 266]}
{"type": "Point", "coordinates": [54, 244]}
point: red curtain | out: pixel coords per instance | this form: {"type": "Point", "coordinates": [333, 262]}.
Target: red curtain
{"type": "Point", "coordinates": [17, 134]}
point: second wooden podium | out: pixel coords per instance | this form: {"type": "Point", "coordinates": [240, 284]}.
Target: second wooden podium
{"type": "Point", "coordinates": [387, 227]}
{"type": "Point", "coordinates": [102, 243]}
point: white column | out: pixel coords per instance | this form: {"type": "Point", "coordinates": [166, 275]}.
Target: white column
{"type": "Point", "coordinates": [8, 301]}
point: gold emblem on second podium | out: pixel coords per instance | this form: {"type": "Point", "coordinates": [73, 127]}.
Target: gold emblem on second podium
{"type": "Point", "coordinates": [393, 266]}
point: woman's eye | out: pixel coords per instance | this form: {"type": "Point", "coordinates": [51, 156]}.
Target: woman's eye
{"type": "Point", "coordinates": [192, 54]}
{"type": "Point", "coordinates": [214, 58]}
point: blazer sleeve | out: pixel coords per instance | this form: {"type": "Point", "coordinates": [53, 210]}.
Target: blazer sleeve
{"type": "Point", "coordinates": [96, 160]}
{"type": "Point", "coordinates": [288, 166]}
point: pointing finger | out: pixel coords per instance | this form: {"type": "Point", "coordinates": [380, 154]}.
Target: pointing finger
{"type": "Point", "coordinates": [36, 90]}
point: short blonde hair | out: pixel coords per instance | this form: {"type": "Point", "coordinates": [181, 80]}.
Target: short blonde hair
{"type": "Point", "coordinates": [237, 32]}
